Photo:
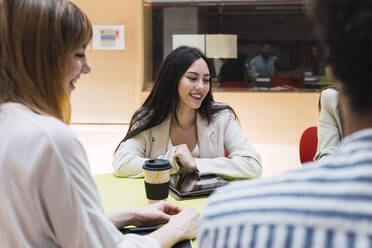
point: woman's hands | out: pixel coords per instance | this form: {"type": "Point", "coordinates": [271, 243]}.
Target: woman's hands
{"type": "Point", "coordinates": [183, 157]}
{"type": "Point", "coordinates": [185, 223]}
{"type": "Point", "coordinates": [180, 226]}
{"type": "Point", "coordinates": [154, 214]}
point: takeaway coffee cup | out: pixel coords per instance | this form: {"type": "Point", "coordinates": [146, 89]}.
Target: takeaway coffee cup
{"type": "Point", "coordinates": [157, 173]}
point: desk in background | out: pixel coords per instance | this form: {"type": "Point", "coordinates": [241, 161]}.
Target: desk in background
{"type": "Point", "coordinates": [317, 85]}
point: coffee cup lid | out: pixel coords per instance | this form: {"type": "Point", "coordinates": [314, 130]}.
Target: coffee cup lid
{"type": "Point", "coordinates": [157, 165]}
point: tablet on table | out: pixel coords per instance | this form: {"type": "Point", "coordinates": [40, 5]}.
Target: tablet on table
{"type": "Point", "coordinates": [190, 185]}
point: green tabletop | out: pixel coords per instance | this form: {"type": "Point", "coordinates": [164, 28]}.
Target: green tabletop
{"type": "Point", "coordinates": [129, 193]}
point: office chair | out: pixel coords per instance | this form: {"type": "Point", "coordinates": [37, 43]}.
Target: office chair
{"type": "Point", "coordinates": [308, 144]}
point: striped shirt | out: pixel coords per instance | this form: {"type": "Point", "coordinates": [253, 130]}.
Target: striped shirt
{"type": "Point", "coordinates": [328, 205]}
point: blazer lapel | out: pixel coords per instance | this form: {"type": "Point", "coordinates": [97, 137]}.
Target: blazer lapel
{"type": "Point", "coordinates": [206, 137]}
{"type": "Point", "coordinates": [160, 138]}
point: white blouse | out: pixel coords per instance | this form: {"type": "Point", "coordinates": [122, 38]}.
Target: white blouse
{"type": "Point", "coordinates": [195, 153]}
{"type": "Point", "coordinates": [48, 197]}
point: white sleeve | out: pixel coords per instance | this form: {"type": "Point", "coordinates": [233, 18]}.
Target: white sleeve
{"type": "Point", "coordinates": [329, 129]}
{"type": "Point", "coordinates": [130, 157]}
{"type": "Point", "coordinates": [69, 197]}
{"type": "Point", "coordinates": [242, 161]}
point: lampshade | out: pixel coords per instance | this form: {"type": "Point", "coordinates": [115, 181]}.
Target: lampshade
{"type": "Point", "coordinates": [221, 46]}
{"type": "Point", "coordinates": [191, 40]}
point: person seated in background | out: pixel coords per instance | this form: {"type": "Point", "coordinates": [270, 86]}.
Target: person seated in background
{"type": "Point", "coordinates": [314, 66]}
{"type": "Point", "coordinates": [287, 74]}
{"type": "Point", "coordinates": [263, 64]}
{"type": "Point", "coordinates": [327, 205]}
{"type": "Point", "coordinates": [48, 197]}
{"type": "Point", "coordinates": [317, 68]}
{"type": "Point", "coordinates": [181, 122]}
{"type": "Point", "coordinates": [234, 73]}
{"type": "Point", "coordinates": [330, 130]}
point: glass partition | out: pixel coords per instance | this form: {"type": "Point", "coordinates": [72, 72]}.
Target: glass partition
{"type": "Point", "coordinates": [276, 49]}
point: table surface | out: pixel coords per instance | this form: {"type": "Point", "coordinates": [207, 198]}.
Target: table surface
{"type": "Point", "coordinates": [130, 193]}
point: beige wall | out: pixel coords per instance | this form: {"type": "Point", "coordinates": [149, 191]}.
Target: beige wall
{"type": "Point", "coordinates": [268, 117]}
{"type": "Point", "coordinates": [110, 93]}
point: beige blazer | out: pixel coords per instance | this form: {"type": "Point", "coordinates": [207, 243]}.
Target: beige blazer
{"type": "Point", "coordinates": [330, 130]}
{"type": "Point", "coordinates": [222, 134]}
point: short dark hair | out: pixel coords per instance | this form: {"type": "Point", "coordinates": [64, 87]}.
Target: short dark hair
{"type": "Point", "coordinates": [266, 42]}
{"type": "Point", "coordinates": [164, 99]}
{"type": "Point", "coordinates": [344, 28]}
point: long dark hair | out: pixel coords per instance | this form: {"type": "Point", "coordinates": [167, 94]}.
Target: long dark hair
{"type": "Point", "coordinates": [164, 98]}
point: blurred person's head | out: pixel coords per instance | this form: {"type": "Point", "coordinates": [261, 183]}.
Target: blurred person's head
{"type": "Point", "coordinates": [344, 28]}
{"type": "Point", "coordinates": [42, 53]}
{"type": "Point", "coordinates": [265, 49]}
{"type": "Point", "coordinates": [314, 51]}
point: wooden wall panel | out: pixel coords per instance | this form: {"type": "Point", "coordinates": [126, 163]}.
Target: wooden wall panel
{"type": "Point", "coordinates": [110, 93]}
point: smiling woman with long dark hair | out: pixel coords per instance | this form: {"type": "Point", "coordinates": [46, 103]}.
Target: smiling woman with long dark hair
{"type": "Point", "coordinates": [181, 122]}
